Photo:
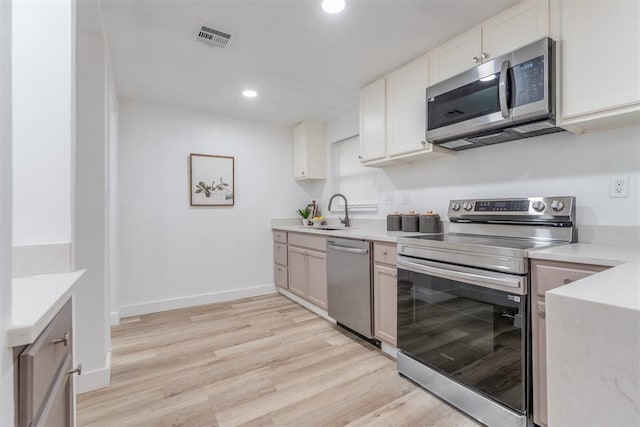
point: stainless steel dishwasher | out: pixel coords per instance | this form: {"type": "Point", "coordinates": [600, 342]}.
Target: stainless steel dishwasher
{"type": "Point", "coordinates": [350, 290]}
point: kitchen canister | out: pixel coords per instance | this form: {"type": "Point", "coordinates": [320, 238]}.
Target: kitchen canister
{"type": "Point", "coordinates": [410, 221]}
{"type": "Point", "coordinates": [394, 221]}
{"type": "Point", "coordinates": [430, 222]}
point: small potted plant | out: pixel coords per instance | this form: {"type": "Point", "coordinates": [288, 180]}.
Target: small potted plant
{"type": "Point", "coordinates": [305, 213]}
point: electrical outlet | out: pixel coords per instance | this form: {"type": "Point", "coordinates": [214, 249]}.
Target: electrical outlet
{"type": "Point", "coordinates": [406, 198]}
{"type": "Point", "coordinates": [388, 199]}
{"type": "Point", "coordinates": [619, 186]}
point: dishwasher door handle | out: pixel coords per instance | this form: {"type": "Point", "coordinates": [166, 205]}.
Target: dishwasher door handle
{"type": "Point", "coordinates": [346, 249]}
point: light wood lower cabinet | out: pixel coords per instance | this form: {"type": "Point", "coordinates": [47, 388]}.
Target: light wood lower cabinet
{"type": "Point", "coordinates": [44, 383]}
{"type": "Point", "coordinates": [308, 270]}
{"type": "Point", "coordinates": [545, 276]}
{"type": "Point", "coordinates": [385, 293]}
{"type": "Point", "coordinates": [280, 261]}
{"type": "Point", "coordinates": [385, 299]}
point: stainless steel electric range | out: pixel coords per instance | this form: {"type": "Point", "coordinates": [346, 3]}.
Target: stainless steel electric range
{"type": "Point", "coordinates": [463, 305]}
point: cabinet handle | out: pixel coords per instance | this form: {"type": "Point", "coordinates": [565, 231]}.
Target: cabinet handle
{"type": "Point", "coordinates": [475, 60]}
{"type": "Point", "coordinates": [567, 281]}
{"type": "Point", "coordinates": [384, 253]}
{"type": "Point", "coordinates": [302, 173]}
{"type": "Point", "coordinates": [541, 308]}
{"type": "Point", "coordinates": [64, 340]}
{"type": "Point", "coordinates": [424, 143]}
{"type": "Point", "coordinates": [485, 55]}
{"type": "Point", "coordinates": [78, 370]}
{"type": "Point", "coordinates": [360, 157]}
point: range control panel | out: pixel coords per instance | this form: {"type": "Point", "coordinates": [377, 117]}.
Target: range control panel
{"type": "Point", "coordinates": [520, 209]}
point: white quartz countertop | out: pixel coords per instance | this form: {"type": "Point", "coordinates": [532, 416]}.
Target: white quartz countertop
{"type": "Point", "coordinates": [589, 253]}
{"type": "Point", "coordinates": [376, 234]}
{"type": "Point", "coordinates": [618, 286]}
{"type": "Point", "coordinates": [35, 301]}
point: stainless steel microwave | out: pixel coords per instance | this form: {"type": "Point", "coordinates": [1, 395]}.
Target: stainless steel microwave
{"type": "Point", "coordinates": [510, 97]}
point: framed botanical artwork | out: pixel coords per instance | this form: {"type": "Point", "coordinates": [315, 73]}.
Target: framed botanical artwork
{"type": "Point", "coordinates": [211, 180]}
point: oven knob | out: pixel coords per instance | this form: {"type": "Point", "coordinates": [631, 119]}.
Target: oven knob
{"type": "Point", "coordinates": [455, 206]}
{"type": "Point", "coordinates": [557, 205]}
{"type": "Point", "coordinates": [538, 206]}
{"type": "Point", "coordinates": [467, 206]}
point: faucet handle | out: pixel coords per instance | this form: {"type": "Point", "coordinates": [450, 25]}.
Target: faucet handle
{"type": "Point", "coordinates": [342, 221]}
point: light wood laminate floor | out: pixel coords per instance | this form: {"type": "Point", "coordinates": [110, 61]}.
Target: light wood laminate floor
{"type": "Point", "coordinates": [257, 361]}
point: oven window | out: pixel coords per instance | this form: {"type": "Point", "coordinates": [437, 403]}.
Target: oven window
{"type": "Point", "coordinates": [472, 334]}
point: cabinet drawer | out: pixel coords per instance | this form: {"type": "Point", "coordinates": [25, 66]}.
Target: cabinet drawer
{"type": "Point", "coordinates": [318, 243]}
{"type": "Point", "coordinates": [57, 409]}
{"type": "Point", "coordinates": [548, 275]}
{"type": "Point", "coordinates": [39, 364]}
{"type": "Point", "coordinates": [385, 253]}
{"type": "Point", "coordinates": [280, 276]}
{"type": "Point", "coordinates": [280, 253]}
{"type": "Point", "coordinates": [280, 236]}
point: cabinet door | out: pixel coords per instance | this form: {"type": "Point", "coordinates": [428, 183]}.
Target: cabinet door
{"type": "Point", "coordinates": [299, 151]}
{"type": "Point", "coordinates": [455, 56]}
{"type": "Point", "coordinates": [372, 121]}
{"type": "Point", "coordinates": [514, 28]}
{"type": "Point", "coordinates": [317, 278]}
{"type": "Point", "coordinates": [280, 254]}
{"type": "Point", "coordinates": [539, 330]}
{"type": "Point", "coordinates": [297, 271]}
{"type": "Point", "coordinates": [406, 102]}
{"type": "Point", "coordinates": [385, 301]}
{"type": "Point", "coordinates": [600, 60]}
{"type": "Point", "coordinates": [57, 410]}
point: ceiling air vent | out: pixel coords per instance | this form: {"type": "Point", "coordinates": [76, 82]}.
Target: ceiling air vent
{"type": "Point", "coordinates": [213, 37]}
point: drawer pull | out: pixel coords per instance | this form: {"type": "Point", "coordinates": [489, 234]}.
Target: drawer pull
{"type": "Point", "coordinates": [567, 281]}
{"type": "Point", "coordinates": [541, 308]}
{"type": "Point", "coordinates": [64, 340]}
{"type": "Point", "coordinates": [78, 370]}
{"type": "Point", "coordinates": [384, 253]}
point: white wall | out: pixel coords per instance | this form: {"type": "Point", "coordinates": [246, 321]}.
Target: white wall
{"type": "Point", "coordinates": [90, 225]}
{"type": "Point", "coordinates": [6, 358]}
{"type": "Point", "coordinates": [559, 164]}
{"type": "Point", "coordinates": [43, 44]}
{"type": "Point", "coordinates": [190, 255]}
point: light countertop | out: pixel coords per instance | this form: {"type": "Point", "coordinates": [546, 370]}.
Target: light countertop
{"type": "Point", "coordinates": [35, 301]}
{"type": "Point", "coordinates": [375, 234]}
{"type": "Point", "coordinates": [618, 286]}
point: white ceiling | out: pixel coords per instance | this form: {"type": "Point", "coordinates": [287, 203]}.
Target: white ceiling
{"type": "Point", "coordinates": [303, 62]}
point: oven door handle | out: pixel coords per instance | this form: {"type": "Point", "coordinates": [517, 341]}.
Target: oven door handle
{"type": "Point", "coordinates": [487, 281]}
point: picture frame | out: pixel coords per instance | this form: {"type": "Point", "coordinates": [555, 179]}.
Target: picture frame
{"type": "Point", "coordinates": [211, 180]}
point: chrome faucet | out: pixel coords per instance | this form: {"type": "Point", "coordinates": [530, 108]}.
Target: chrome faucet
{"type": "Point", "coordinates": [346, 221]}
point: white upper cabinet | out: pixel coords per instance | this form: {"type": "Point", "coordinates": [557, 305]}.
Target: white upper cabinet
{"type": "Point", "coordinates": [599, 54]}
{"type": "Point", "coordinates": [406, 102]}
{"type": "Point", "coordinates": [392, 118]}
{"type": "Point", "coordinates": [518, 26]}
{"type": "Point", "coordinates": [309, 150]}
{"type": "Point", "coordinates": [372, 121]}
{"type": "Point", "coordinates": [455, 56]}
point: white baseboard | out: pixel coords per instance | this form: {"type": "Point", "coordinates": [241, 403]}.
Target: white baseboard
{"type": "Point", "coordinates": [306, 304]}
{"type": "Point", "coordinates": [95, 379]}
{"type": "Point", "coordinates": [389, 349]}
{"type": "Point", "coordinates": [114, 318]}
{"type": "Point", "coordinates": [195, 300]}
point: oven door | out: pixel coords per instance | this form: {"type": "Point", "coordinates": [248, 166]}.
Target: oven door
{"type": "Point", "coordinates": [468, 324]}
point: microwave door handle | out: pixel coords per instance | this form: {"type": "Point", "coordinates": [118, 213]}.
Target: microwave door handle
{"type": "Point", "coordinates": [502, 89]}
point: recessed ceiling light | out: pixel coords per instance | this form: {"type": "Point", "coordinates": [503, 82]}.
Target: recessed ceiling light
{"type": "Point", "coordinates": [249, 93]}
{"type": "Point", "coordinates": [332, 6]}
